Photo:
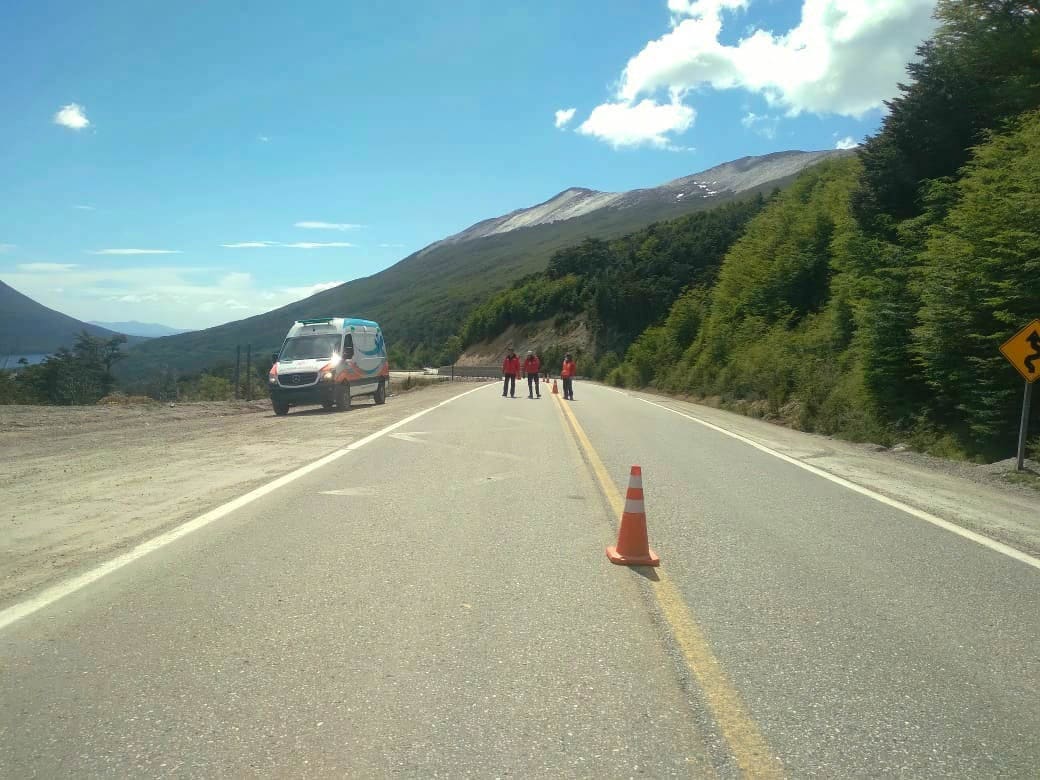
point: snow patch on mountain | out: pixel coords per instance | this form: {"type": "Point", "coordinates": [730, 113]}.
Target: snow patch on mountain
{"type": "Point", "coordinates": [734, 177]}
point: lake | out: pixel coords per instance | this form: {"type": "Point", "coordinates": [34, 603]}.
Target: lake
{"type": "Point", "coordinates": [11, 361]}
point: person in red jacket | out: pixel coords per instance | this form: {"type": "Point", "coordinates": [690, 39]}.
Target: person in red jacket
{"type": "Point", "coordinates": [510, 371]}
{"type": "Point", "coordinates": [567, 373]}
{"type": "Point", "coordinates": [532, 365]}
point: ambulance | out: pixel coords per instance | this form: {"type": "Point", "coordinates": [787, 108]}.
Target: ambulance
{"type": "Point", "coordinates": [329, 361]}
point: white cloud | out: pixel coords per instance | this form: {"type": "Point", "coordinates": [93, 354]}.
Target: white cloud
{"type": "Point", "coordinates": [45, 267]}
{"type": "Point", "coordinates": [134, 252]}
{"type": "Point", "coordinates": [763, 124]}
{"type": "Point", "coordinates": [6, 247]}
{"type": "Point", "coordinates": [303, 292]}
{"type": "Point", "coordinates": [702, 7]}
{"type": "Point", "coordinates": [71, 116]}
{"type": "Point", "coordinates": [293, 245]}
{"type": "Point", "coordinates": [848, 142]}
{"type": "Point", "coordinates": [263, 138]}
{"type": "Point", "coordinates": [327, 225]}
{"type": "Point", "coordinates": [190, 297]}
{"type": "Point", "coordinates": [634, 124]}
{"type": "Point", "coordinates": [85, 208]}
{"type": "Point", "coordinates": [564, 116]}
{"type": "Point", "coordinates": [316, 245]}
{"type": "Point", "coordinates": [844, 57]}
{"type": "Point", "coordinates": [391, 246]}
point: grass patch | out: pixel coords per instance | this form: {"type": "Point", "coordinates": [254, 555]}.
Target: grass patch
{"type": "Point", "coordinates": [1028, 478]}
{"type": "Point", "coordinates": [118, 399]}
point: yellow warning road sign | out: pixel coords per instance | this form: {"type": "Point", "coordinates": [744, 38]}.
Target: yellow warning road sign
{"type": "Point", "coordinates": [1023, 351]}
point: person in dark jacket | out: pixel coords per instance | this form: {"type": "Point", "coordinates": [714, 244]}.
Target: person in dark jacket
{"type": "Point", "coordinates": [510, 371]}
{"type": "Point", "coordinates": [567, 373]}
{"type": "Point", "coordinates": [532, 366]}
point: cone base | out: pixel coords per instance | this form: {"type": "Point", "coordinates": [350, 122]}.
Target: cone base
{"type": "Point", "coordinates": [617, 558]}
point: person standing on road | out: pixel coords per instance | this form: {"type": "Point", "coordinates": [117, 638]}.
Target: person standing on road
{"type": "Point", "coordinates": [510, 370]}
{"type": "Point", "coordinates": [532, 366]}
{"type": "Point", "coordinates": [567, 375]}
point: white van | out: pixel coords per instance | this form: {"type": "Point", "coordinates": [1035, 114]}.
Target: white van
{"type": "Point", "coordinates": [329, 361]}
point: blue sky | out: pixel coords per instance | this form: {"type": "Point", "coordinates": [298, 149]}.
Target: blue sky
{"type": "Point", "coordinates": [142, 141]}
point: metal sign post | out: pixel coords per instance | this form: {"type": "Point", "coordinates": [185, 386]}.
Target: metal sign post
{"type": "Point", "coordinates": [1024, 428]}
{"type": "Point", "coordinates": [1023, 352]}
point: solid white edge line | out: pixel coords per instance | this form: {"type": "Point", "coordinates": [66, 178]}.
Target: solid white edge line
{"type": "Point", "coordinates": [985, 541]}
{"type": "Point", "coordinates": [55, 592]}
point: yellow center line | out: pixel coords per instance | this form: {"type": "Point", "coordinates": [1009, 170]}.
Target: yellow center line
{"type": "Point", "coordinates": [746, 743]}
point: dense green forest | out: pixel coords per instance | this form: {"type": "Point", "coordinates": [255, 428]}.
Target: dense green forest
{"type": "Point", "coordinates": [869, 299]}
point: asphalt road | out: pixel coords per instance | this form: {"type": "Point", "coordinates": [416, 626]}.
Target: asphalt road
{"type": "Point", "coordinates": [436, 603]}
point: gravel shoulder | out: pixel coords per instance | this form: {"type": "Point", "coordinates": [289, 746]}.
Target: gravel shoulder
{"type": "Point", "coordinates": [81, 484]}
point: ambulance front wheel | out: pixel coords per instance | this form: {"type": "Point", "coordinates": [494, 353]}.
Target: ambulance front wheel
{"type": "Point", "coordinates": [380, 394]}
{"type": "Point", "coordinates": [343, 397]}
{"type": "Point", "coordinates": [281, 408]}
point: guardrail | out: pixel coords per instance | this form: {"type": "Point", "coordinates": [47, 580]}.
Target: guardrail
{"type": "Point", "coordinates": [472, 372]}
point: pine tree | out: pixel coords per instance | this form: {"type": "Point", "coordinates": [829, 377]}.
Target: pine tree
{"type": "Point", "coordinates": [982, 283]}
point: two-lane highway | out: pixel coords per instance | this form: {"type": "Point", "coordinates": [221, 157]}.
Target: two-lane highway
{"type": "Point", "coordinates": [434, 600]}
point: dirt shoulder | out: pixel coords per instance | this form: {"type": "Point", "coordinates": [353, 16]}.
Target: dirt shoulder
{"type": "Point", "coordinates": [980, 498]}
{"type": "Point", "coordinates": [80, 484]}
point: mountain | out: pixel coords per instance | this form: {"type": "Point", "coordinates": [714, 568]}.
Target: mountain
{"type": "Point", "coordinates": [721, 182]}
{"type": "Point", "coordinates": [149, 330]}
{"type": "Point", "coordinates": [29, 327]}
{"type": "Point", "coordinates": [423, 299]}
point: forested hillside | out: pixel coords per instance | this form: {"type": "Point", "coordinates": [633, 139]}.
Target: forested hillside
{"type": "Point", "coordinates": [619, 287]}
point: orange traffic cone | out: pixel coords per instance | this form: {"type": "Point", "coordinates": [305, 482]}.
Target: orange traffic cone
{"type": "Point", "coordinates": [556, 390]}
{"type": "Point", "coordinates": [633, 547]}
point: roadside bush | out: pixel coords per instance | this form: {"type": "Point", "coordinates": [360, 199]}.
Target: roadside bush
{"type": "Point", "coordinates": [11, 392]}
{"type": "Point", "coordinates": [213, 388]}
{"type": "Point", "coordinates": [606, 365]}
{"type": "Point", "coordinates": [623, 376]}
{"type": "Point", "coordinates": [1033, 448]}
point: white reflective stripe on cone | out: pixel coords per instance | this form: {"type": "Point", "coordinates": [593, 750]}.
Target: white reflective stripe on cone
{"type": "Point", "coordinates": [634, 507]}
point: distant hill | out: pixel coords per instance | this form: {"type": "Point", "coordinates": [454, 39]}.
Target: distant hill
{"type": "Point", "coordinates": [28, 327]}
{"type": "Point", "coordinates": [149, 330]}
{"type": "Point", "coordinates": [424, 298]}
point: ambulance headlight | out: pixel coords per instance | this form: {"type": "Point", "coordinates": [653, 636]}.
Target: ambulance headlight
{"type": "Point", "coordinates": [272, 379]}
{"type": "Point", "coordinates": [327, 376]}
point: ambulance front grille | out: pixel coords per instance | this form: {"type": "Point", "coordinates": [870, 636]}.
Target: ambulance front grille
{"type": "Point", "coordinates": [297, 380]}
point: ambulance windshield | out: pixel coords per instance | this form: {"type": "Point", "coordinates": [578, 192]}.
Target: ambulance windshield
{"type": "Point", "coordinates": [310, 347]}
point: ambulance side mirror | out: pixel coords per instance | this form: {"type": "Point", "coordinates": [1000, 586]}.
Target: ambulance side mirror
{"type": "Point", "coordinates": [274, 357]}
